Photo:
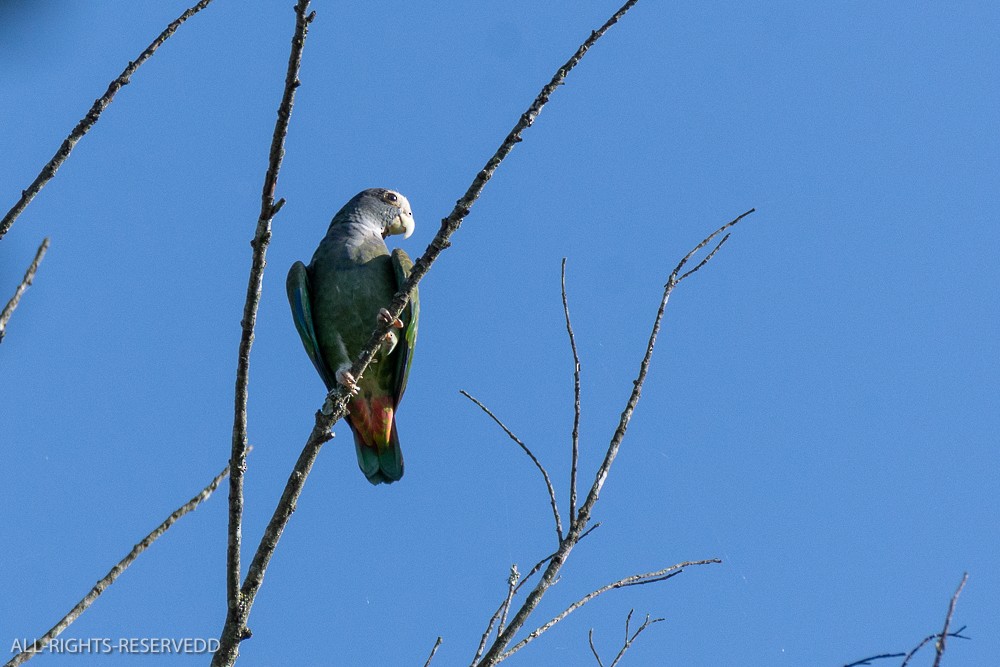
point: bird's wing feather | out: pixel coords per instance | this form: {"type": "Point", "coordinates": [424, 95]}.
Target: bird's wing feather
{"type": "Point", "coordinates": [297, 287]}
{"type": "Point", "coordinates": [402, 265]}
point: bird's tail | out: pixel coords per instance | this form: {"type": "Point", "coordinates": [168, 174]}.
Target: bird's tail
{"type": "Point", "coordinates": [381, 462]}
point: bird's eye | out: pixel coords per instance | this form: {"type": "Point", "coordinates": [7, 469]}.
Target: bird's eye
{"type": "Point", "coordinates": [391, 197]}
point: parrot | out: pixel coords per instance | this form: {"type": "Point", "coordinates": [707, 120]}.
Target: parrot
{"type": "Point", "coordinates": [336, 303]}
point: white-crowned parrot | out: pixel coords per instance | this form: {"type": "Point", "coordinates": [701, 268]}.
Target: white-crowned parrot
{"type": "Point", "coordinates": [336, 303]}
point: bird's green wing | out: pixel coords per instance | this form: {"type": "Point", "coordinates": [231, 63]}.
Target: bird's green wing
{"type": "Point", "coordinates": [297, 287]}
{"type": "Point", "coordinates": [402, 265]}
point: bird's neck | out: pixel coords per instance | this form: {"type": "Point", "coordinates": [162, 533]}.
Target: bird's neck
{"type": "Point", "coordinates": [355, 239]}
{"type": "Point", "coordinates": [355, 223]}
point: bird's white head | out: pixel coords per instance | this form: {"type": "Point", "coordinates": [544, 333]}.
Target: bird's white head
{"type": "Point", "coordinates": [378, 209]}
{"type": "Point", "coordinates": [400, 216]}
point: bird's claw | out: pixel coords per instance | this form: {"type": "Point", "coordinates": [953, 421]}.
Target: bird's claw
{"type": "Point", "coordinates": [346, 379]}
{"type": "Point", "coordinates": [384, 317]}
{"type": "Point", "coordinates": [388, 344]}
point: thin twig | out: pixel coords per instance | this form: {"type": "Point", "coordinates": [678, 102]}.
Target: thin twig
{"type": "Point", "coordinates": [511, 589]}
{"type": "Point", "coordinates": [593, 649]}
{"type": "Point", "coordinates": [957, 634]}
{"type": "Point", "coordinates": [486, 634]}
{"type": "Point", "coordinates": [576, 400]}
{"type": "Point", "coordinates": [534, 459]}
{"type": "Point", "coordinates": [88, 121]}
{"type": "Point", "coordinates": [533, 571]}
{"type": "Point", "coordinates": [867, 661]}
{"type": "Point", "coordinates": [235, 629]}
{"type": "Point", "coordinates": [943, 634]}
{"type": "Point", "coordinates": [39, 644]}
{"type": "Point", "coordinates": [634, 580]}
{"type": "Point", "coordinates": [589, 531]}
{"type": "Point", "coordinates": [29, 276]}
{"type": "Point", "coordinates": [538, 566]}
{"type": "Point", "coordinates": [705, 242]}
{"type": "Point", "coordinates": [335, 405]}
{"type": "Point", "coordinates": [590, 638]}
{"type": "Point", "coordinates": [630, 637]}
{"type": "Point", "coordinates": [947, 620]}
{"type": "Point", "coordinates": [496, 652]}
{"type": "Point", "coordinates": [672, 282]}
{"type": "Point", "coordinates": [630, 640]}
{"type": "Point", "coordinates": [525, 579]}
{"type": "Point", "coordinates": [505, 605]}
{"type": "Point", "coordinates": [434, 650]}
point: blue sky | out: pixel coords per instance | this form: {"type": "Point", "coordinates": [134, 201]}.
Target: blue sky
{"type": "Point", "coordinates": [822, 409]}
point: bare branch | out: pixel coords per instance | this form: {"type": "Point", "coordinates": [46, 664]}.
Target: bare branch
{"type": "Point", "coordinates": [496, 652]}
{"type": "Point", "coordinates": [957, 634]}
{"type": "Point", "coordinates": [593, 649]}
{"type": "Point", "coordinates": [511, 589]}
{"type": "Point", "coordinates": [29, 276]}
{"type": "Point", "coordinates": [629, 637]}
{"type": "Point", "coordinates": [634, 580]}
{"type": "Point", "coordinates": [335, 405]}
{"type": "Point", "coordinates": [541, 468]}
{"type": "Point", "coordinates": [501, 613]}
{"type": "Point", "coordinates": [235, 629]}
{"type": "Point", "coordinates": [434, 650]}
{"type": "Point", "coordinates": [633, 400]}
{"type": "Point", "coordinates": [867, 661]}
{"type": "Point", "coordinates": [589, 531]}
{"type": "Point", "coordinates": [88, 121]}
{"type": "Point", "coordinates": [39, 644]}
{"type": "Point", "coordinates": [942, 635]}
{"type": "Point", "coordinates": [576, 400]}
{"type": "Point", "coordinates": [486, 634]}
{"type": "Point", "coordinates": [629, 640]}
{"type": "Point", "coordinates": [927, 640]}
{"type": "Point", "coordinates": [704, 243]}
{"type": "Point", "coordinates": [532, 572]}
{"type": "Point", "coordinates": [947, 620]}
{"type": "Point", "coordinates": [538, 566]}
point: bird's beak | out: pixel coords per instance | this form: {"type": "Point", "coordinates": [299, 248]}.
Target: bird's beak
{"type": "Point", "coordinates": [401, 224]}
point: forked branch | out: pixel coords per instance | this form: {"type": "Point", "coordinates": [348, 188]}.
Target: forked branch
{"type": "Point", "coordinates": [939, 646]}
{"type": "Point", "coordinates": [505, 605]}
{"type": "Point", "coordinates": [634, 580]}
{"type": "Point", "coordinates": [938, 638]}
{"type": "Point", "coordinates": [630, 637]}
{"type": "Point", "coordinates": [870, 660]}
{"type": "Point", "coordinates": [578, 525]}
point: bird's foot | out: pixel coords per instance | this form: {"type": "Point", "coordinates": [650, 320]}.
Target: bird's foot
{"type": "Point", "coordinates": [384, 317]}
{"type": "Point", "coordinates": [345, 378]}
{"type": "Point", "coordinates": [388, 343]}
